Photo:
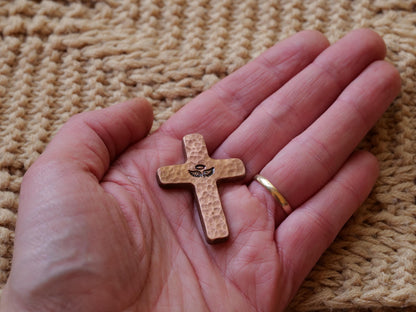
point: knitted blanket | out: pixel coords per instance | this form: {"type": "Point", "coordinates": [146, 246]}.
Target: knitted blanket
{"type": "Point", "coordinates": [59, 58]}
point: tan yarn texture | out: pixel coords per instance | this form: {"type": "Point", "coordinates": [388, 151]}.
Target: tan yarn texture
{"type": "Point", "coordinates": [59, 58]}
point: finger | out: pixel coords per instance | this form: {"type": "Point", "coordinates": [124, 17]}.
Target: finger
{"type": "Point", "coordinates": [307, 232]}
{"type": "Point", "coordinates": [304, 98]}
{"type": "Point", "coordinates": [218, 111]}
{"type": "Point", "coordinates": [92, 140]}
{"type": "Point", "coordinates": [303, 166]}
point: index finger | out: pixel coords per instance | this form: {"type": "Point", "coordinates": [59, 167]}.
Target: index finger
{"type": "Point", "coordinates": [217, 112]}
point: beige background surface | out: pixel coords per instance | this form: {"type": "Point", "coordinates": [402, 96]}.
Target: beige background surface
{"type": "Point", "coordinates": [58, 58]}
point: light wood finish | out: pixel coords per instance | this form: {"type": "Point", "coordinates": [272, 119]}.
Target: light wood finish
{"type": "Point", "coordinates": [203, 173]}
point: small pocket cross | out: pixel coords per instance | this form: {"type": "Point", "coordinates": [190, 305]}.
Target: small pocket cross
{"type": "Point", "coordinates": [203, 173]}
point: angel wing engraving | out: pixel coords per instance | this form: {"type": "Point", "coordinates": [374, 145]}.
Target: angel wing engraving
{"type": "Point", "coordinates": [195, 173]}
{"type": "Point", "coordinates": [208, 172]}
{"type": "Point", "coordinates": [199, 171]}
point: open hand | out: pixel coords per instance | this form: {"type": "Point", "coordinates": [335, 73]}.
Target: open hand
{"type": "Point", "coordinates": [95, 231]}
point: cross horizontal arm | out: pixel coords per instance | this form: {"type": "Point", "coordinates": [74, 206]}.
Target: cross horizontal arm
{"type": "Point", "coordinates": [176, 175]}
{"type": "Point", "coordinates": [229, 169]}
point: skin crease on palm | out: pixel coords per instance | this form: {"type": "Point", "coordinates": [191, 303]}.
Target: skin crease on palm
{"type": "Point", "coordinates": [95, 232]}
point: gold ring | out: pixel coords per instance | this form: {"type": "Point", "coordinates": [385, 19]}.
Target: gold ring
{"type": "Point", "coordinates": [275, 193]}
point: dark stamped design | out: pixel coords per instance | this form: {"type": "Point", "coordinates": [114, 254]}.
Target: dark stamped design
{"type": "Point", "coordinates": [201, 172]}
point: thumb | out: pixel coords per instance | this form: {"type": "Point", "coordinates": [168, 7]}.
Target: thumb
{"type": "Point", "coordinates": [78, 157]}
{"type": "Point", "coordinates": [66, 176]}
{"type": "Point", "coordinates": [91, 140]}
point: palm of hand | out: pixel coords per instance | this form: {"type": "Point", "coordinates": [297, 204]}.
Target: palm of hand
{"type": "Point", "coordinates": [96, 232]}
{"type": "Point", "coordinates": [127, 225]}
{"type": "Point", "coordinates": [183, 270]}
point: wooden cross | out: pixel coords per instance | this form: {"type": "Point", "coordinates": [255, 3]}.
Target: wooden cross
{"type": "Point", "coordinates": [203, 173]}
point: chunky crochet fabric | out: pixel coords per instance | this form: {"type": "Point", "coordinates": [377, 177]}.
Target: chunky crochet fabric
{"type": "Point", "coordinates": [59, 58]}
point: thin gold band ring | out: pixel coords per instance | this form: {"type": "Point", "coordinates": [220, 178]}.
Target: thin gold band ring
{"type": "Point", "coordinates": [275, 193]}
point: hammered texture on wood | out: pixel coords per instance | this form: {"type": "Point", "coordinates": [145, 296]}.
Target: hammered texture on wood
{"type": "Point", "coordinates": [59, 58]}
{"type": "Point", "coordinates": [202, 173]}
